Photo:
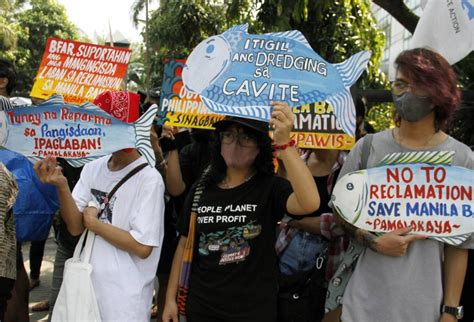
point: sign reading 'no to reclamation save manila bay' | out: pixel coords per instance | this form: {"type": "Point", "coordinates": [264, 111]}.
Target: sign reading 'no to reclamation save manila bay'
{"type": "Point", "coordinates": [79, 71]}
{"type": "Point", "coordinates": [419, 190]}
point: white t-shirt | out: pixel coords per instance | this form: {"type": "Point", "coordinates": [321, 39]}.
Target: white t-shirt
{"type": "Point", "coordinates": [122, 281]}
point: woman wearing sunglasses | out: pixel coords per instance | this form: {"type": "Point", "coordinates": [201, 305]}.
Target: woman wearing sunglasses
{"type": "Point", "coordinates": [233, 275]}
{"type": "Point", "coordinates": [400, 276]}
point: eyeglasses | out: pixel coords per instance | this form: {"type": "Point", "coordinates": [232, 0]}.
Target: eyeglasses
{"type": "Point", "coordinates": [243, 139]}
{"type": "Point", "coordinates": [400, 87]}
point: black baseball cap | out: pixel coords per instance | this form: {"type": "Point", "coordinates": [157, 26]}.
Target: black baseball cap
{"type": "Point", "coordinates": [259, 126]}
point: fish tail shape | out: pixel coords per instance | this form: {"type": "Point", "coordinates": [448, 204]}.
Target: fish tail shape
{"type": "Point", "coordinates": [142, 134]}
{"type": "Point", "coordinates": [5, 104]}
{"type": "Point", "coordinates": [452, 240]}
{"type": "Point", "coordinates": [342, 103]}
{"type": "Point", "coordinates": [260, 113]}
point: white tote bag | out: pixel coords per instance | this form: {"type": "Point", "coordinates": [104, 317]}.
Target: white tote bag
{"type": "Point", "coordinates": [76, 299]}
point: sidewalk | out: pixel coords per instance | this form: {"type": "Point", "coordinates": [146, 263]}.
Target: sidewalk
{"type": "Point", "coordinates": [41, 292]}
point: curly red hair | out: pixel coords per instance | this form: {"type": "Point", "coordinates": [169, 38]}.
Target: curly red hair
{"type": "Point", "coordinates": [432, 73]}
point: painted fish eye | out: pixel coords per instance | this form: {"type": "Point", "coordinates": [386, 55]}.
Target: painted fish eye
{"type": "Point", "coordinates": [210, 49]}
{"type": "Point", "coordinates": [350, 186]}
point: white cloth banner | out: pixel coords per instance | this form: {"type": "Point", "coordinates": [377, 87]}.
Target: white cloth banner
{"type": "Point", "coordinates": [447, 27]}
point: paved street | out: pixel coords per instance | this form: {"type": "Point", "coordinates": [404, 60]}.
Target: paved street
{"type": "Point", "coordinates": [41, 292]}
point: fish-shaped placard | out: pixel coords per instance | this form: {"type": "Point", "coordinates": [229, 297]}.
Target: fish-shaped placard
{"type": "Point", "coordinates": [237, 73]}
{"type": "Point", "coordinates": [434, 199]}
{"type": "Point", "coordinates": [78, 134]}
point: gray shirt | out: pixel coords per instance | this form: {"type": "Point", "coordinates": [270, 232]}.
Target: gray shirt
{"type": "Point", "coordinates": [406, 288]}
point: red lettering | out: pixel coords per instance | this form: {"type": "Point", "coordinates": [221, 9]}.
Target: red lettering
{"type": "Point", "coordinates": [427, 172]}
{"type": "Point", "coordinates": [374, 192]}
{"type": "Point", "coordinates": [393, 174]}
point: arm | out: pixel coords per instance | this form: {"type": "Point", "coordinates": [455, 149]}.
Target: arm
{"type": "Point", "coordinates": [49, 172]}
{"type": "Point", "coordinates": [394, 243]}
{"type": "Point", "coordinates": [455, 264]}
{"type": "Point", "coordinates": [116, 236]}
{"type": "Point", "coordinates": [309, 224]}
{"type": "Point", "coordinates": [174, 179]}
{"type": "Point", "coordinates": [170, 312]}
{"type": "Point", "coordinates": [160, 161]}
{"type": "Point", "coordinates": [305, 197]}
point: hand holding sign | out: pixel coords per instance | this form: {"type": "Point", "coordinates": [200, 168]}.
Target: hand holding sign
{"type": "Point", "coordinates": [282, 120]}
{"type": "Point", "coordinates": [396, 242]}
{"type": "Point", "coordinates": [416, 190]}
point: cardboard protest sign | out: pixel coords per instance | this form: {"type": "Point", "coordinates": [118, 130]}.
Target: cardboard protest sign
{"type": "Point", "coordinates": [316, 126]}
{"type": "Point", "coordinates": [237, 73]}
{"type": "Point", "coordinates": [76, 133]}
{"type": "Point", "coordinates": [79, 71]}
{"type": "Point", "coordinates": [181, 108]}
{"type": "Point", "coordinates": [432, 198]}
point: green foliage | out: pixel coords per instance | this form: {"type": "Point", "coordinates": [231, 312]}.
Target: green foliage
{"type": "Point", "coordinates": [177, 27]}
{"type": "Point", "coordinates": [335, 29]}
{"type": "Point", "coordinates": [42, 19]}
{"type": "Point", "coordinates": [380, 116]}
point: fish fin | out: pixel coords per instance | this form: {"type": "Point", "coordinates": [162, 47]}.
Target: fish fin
{"type": "Point", "coordinates": [76, 163]}
{"type": "Point", "coordinates": [351, 69]}
{"type": "Point", "coordinates": [292, 34]}
{"type": "Point", "coordinates": [242, 28]}
{"type": "Point", "coordinates": [344, 110]}
{"type": "Point", "coordinates": [452, 240]}
{"type": "Point", "coordinates": [53, 99]}
{"type": "Point", "coordinates": [260, 113]}
{"type": "Point", "coordinates": [5, 104]}
{"type": "Point", "coordinates": [429, 157]}
{"type": "Point", "coordinates": [94, 108]}
{"type": "Point", "coordinates": [142, 134]}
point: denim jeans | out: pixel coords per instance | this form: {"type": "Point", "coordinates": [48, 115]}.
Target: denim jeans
{"type": "Point", "coordinates": [300, 255]}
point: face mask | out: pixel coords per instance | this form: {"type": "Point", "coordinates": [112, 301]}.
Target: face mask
{"type": "Point", "coordinates": [236, 156]}
{"type": "Point", "coordinates": [411, 107]}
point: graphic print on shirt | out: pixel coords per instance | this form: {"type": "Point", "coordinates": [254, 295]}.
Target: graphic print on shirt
{"type": "Point", "coordinates": [232, 242]}
{"type": "Point", "coordinates": [106, 215]}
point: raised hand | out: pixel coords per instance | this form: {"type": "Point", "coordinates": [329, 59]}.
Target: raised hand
{"type": "Point", "coordinates": [282, 121]}
{"type": "Point", "coordinates": [50, 172]}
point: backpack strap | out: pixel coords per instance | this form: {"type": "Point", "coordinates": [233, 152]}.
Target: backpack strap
{"type": "Point", "coordinates": [366, 145]}
{"type": "Point", "coordinates": [188, 253]}
{"type": "Point", "coordinates": [121, 182]}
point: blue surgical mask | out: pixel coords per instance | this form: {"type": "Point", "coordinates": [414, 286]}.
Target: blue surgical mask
{"type": "Point", "coordinates": [411, 107]}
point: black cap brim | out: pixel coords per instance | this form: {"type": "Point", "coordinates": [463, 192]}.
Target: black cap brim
{"type": "Point", "coordinates": [259, 126]}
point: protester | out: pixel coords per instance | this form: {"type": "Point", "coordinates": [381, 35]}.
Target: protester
{"type": "Point", "coordinates": [17, 306]}
{"type": "Point", "coordinates": [128, 232]}
{"type": "Point", "coordinates": [301, 242]}
{"type": "Point", "coordinates": [233, 275]}
{"type": "Point", "coordinates": [8, 260]}
{"type": "Point", "coordinates": [400, 276]}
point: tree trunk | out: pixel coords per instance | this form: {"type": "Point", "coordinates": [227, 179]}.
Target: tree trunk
{"type": "Point", "coordinates": [399, 10]}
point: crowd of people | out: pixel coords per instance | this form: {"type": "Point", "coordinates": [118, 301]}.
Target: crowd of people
{"type": "Point", "coordinates": [233, 235]}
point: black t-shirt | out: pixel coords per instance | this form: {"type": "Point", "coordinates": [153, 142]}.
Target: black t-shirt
{"type": "Point", "coordinates": [234, 268]}
{"type": "Point", "coordinates": [322, 185]}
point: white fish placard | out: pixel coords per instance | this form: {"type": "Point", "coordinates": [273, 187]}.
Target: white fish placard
{"type": "Point", "coordinates": [432, 198]}
{"type": "Point", "coordinates": [239, 74]}
{"type": "Point", "coordinates": [78, 134]}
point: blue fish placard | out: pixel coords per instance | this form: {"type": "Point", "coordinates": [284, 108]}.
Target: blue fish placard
{"type": "Point", "coordinates": [237, 73]}
{"type": "Point", "coordinates": [434, 199]}
{"type": "Point", "coordinates": [78, 134]}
